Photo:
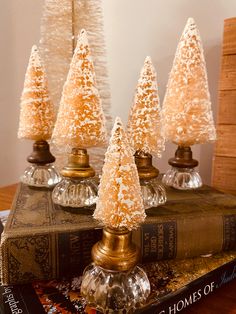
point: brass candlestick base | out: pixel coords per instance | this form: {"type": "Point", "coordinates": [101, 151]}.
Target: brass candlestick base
{"type": "Point", "coordinates": [113, 283]}
{"type": "Point", "coordinates": [115, 251]}
{"type": "Point", "coordinates": [78, 188]}
{"type": "Point", "coordinates": [42, 172]}
{"type": "Point", "coordinates": [153, 192]}
{"type": "Point", "coordinates": [182, 175]}
{"type": "Point", "coordinates": [78, 165]}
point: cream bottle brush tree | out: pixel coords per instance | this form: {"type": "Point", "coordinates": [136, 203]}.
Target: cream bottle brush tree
{"type": "Point", "coordinates": [187, 114]}
{"type": "Point", "coordinates": [145, 134]}
{"type": "Point", "coordinates": [113, 273]}
{"type": "Point", "coordinates": [80, 124]}
{"type": "Point", "coordinates": [37, 117]}
{"type": "Point", "coordinates": [120, 203]}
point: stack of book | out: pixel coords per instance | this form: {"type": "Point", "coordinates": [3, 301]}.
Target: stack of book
{"type": "Point", "coordinates": [187, 248]}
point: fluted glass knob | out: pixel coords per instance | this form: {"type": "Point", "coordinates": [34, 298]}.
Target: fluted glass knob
{"type": "Point", "coordinates": [43, 176]}
{"type": "Point", "coordinates": [114, 292]}
{"type": "Point", "coordinates": [76, 192]}
{"type": "Point", "coordinates": [153, 192]}
{"type": "Point", "coordinates": [182, 178]}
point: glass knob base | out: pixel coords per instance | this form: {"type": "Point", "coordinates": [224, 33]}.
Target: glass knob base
{"type": "Point", "coordinates": [76, 192]}
{"type": "Point", "coordinates": [115, 292]}
{"type": "Point", "coordinates": [42, 176]}
{"type": "Point", "coordinates": [153, 192]}
{"type": "Point", "coordinates": [182, 178]}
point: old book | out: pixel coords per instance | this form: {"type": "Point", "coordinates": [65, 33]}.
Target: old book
{"type": "Point", "coordinates": [41, 241]}
{"type": "Point", "coordinates": [175, 286]}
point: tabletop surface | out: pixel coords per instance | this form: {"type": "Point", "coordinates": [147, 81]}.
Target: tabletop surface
{"type": "Point", "coordinates": [222, 301]}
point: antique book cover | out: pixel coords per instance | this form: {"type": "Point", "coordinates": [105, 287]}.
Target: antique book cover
{"type": "Point", "coordinates": [42, 241]}
{"type": "Point", "coordinates": [175, 285]}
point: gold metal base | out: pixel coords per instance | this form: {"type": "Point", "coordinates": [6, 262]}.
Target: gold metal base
{"type": "Point", "coordinates": [41, 154]}
{"type": "Point", "coordinates": [183, 158]}
{"type": "Point", "coordinates": [115, 251]}
{"type": "Point", "coordinates": [144, 165]}
{"type": "Point", "coordinates": [78, 165]}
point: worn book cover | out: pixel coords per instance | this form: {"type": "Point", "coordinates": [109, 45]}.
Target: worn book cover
{"type": "Point", "coordinates": [175, 285]}
{"type": "Point", "coordinates": [42, 241]}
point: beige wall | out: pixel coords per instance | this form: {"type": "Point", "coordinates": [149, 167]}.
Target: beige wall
{"type": "Point", "coordinates": [133, 29]}
{"type": "Point", "coordinates": [19, 30]}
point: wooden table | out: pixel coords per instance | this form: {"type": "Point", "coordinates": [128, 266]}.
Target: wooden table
{"type": "Point", "coordinates": [222, 301]}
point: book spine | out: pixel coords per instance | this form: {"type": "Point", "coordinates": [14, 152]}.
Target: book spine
{"type": "Point", "coordinates": [49, 254]}
{"type": "Point", "coordinates": [20, 299]}
{"type": "Point", "coordinates": [194, 291]}
{"type": "Point", "coordinates": [187, 237]}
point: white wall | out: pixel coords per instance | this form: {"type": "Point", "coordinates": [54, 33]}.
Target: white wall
{"type": "Point", "coordinates": [133, 29]}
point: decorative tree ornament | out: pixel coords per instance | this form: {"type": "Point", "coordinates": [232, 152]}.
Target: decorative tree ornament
{"type": "Point", "coordinates": [113, 283]}
{"type": "Point", "coordinates": [145, 134]}
{"type": "Point", "coordinates": [187, 113]}
{"type": "Point", "coordinates": [61, 24]}
{"type": "Point", "coordinates": [36, 123]}
{"type": "Point", "coordinates": [80, 124]}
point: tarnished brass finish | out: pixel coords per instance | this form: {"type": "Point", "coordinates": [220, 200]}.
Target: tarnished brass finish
{"type": "Point", "coordinates": [41, 154]}
{"type": "Point", "coordinates": [183, 158]}
{"type": "Point", "coordinates": [78, 165]}
{"type": "Point", "coordinates": [144, 165]}
{"type": "Point", "coordinates": [115, 251]}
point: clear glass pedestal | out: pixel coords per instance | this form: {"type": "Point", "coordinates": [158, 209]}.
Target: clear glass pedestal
{"type": "Point", "coordinates": [76, 192]}
{"type": "Point", "coordinates": [42, 176]}
{"type": "Point", "coordinates": [182, 178]}
{"type": "Point", "coordinates": [114, 292]}
{"type": "Point", "coordinates": [153, 192]}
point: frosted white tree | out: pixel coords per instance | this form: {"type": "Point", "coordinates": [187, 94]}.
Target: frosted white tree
{"type": "Point", "coordinates": [187, 110]}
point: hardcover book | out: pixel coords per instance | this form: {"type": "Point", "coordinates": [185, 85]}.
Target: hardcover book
{"type": "Point", "coordinates": [43, 241]}
{"type": "Point", "coordinates": [176, 284]}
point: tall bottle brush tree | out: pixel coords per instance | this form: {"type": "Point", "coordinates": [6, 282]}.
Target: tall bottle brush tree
{"type": "Point", "coordinates": [80, 124]}
{"type": "Point", "coordinates": [187, 113]}
{"type": "Point", "coordinates": [80, 121]}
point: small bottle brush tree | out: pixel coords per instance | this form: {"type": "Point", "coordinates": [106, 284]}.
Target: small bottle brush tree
{"type": "Point", "coordinates": [187, 113]}
{"type": "Point", "coordinates": [120, 209]}
{"type": "Point", "coordinates": [36, 123]}
{"type": "Point", "coordinates": [145, 134]}
{"type": "Point", "coordinates": [80, 124]}
{"type": "Point", "coordinates": [120, 203]}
